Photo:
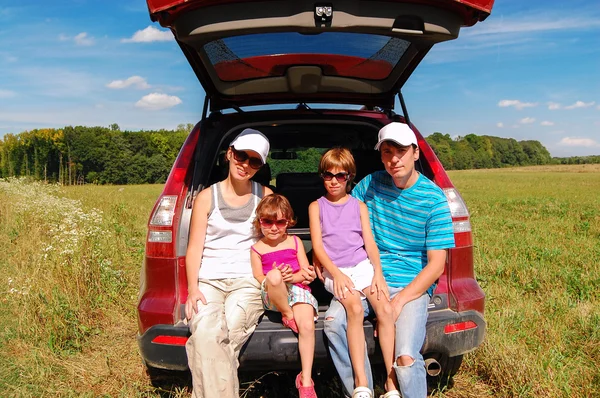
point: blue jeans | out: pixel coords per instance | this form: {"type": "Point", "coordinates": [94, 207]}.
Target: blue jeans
{"type": "Point", "coordinates": [410, 336]}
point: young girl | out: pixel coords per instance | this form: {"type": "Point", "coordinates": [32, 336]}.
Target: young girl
{"type": "Point", "coordinates": [344, 245]}
{"type": "Point", "coordinates": [279, 263]}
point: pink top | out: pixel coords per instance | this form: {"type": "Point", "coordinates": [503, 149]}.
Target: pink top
{"type": "Point", "coordinates": [283, 256]}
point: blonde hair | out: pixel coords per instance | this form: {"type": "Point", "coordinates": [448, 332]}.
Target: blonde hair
{"type": "Point", "coordinates": [340, 158]}
{"type": "Point", "coordinates": [270, 205]}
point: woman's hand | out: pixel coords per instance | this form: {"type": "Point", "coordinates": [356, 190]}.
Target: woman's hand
{"type": "Point", "coordinates": [341, 284]}
{"type": "Point", "coordinates": [378, 285]}
{"type": "Point", "coordinates": [191, 303]}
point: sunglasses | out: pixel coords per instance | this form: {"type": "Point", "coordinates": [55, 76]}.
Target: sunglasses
{"type": "Point", "coordinates": [241, 156]}
{"type": "Point", "coordinates": [268, 223]}
{"type": "Point", "coordinates": [327, 176]}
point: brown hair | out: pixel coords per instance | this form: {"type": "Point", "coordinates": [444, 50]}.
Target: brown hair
{"type": "Point", "coordinates": [342, 159]}
{"type": "Point", "coordinates": [268, 207]}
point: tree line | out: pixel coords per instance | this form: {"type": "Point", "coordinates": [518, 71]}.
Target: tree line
{"type": "Point", "coordinates": [107, 155]}
{"type": "Point", "coordinates": [484, 152]}
{"type": "Point", "coordinates": [100, 155]}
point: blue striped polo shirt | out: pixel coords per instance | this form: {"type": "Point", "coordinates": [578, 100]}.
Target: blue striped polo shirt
{"type": "Point", "coordinates": [405, 223]}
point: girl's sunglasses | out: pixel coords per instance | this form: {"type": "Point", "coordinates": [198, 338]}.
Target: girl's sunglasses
{"type": "Point", "coordinates": [241, 156]}
{"type": "Point", "coordinates": [268, 223]}
{"type": "Point", "coordinates": [327, 176]}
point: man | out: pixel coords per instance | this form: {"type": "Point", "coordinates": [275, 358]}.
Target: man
{"type": "Point", "coordinates": [412, 227]}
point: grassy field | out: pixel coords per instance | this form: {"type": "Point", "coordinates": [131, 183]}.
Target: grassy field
{"type": "Point", "coordinates": [69, 274]}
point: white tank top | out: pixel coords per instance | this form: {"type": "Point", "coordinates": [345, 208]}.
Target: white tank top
{"type": "Point", "coordinates": [227, 245]}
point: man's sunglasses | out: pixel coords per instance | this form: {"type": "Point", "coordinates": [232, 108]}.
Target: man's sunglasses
{"type": "Point", "coordinates": [268, 223]}
{"type": "Point", "coordinates": [327, 176]}
{"type": "Point", "coordinates": [241, 156]}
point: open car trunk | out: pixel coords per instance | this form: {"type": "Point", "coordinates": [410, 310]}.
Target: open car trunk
{"type": "Point", "coordinates": [267, 52]}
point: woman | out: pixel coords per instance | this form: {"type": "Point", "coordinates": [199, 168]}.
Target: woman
{"type": "Point", "coordinates": [224, 303]}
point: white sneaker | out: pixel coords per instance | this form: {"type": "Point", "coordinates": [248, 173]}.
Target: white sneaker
{"type": "Point", "coordinates": [391, 394]}
{"type": "Point", "coordinates": [362, 392]}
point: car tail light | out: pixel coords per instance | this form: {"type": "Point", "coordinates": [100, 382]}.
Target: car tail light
{"type": "Point", "coordinates": [459, 211]}
{"type": "Point", "coordinates": [163, 215]}
{"type": "Point", "coordinates": [458, 208]}
{"type": "Point", "coordinates": [459, 327]}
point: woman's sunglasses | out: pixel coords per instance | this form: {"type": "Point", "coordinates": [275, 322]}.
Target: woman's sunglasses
{"type": "Point", "coordinates": [268, 223]}
{"type": "Point", "coordinates": [327, 176]}
{"type": "Point", "coordinates": [241, 156]}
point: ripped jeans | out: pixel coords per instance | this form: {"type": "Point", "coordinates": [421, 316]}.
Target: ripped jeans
{"type": "Point", "coordinates": [219, 330]}
{"type": "Point", "coordinates": [410, 336]}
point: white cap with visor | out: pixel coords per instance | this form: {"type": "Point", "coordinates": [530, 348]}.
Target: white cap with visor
{"type": "Point", "coordinates": [397, 132]}
{"type": "Point", "coordinates": [252, 140]}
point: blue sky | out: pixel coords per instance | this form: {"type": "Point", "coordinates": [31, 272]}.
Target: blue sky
{"type": "Point", "coordinates": [531, 71]}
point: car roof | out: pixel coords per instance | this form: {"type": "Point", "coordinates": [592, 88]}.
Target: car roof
{"type": "Point", "coordinates": [272, 52]}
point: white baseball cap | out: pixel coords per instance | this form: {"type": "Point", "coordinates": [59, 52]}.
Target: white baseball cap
{"type": "Point", "coordinates": [252, 140]}
{"type": "Point", "coordinates": [398, 132]}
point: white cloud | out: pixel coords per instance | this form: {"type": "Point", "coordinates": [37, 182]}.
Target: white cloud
{"type": "Point", "coordinates": [158, 101]}
{"type": "Point", "coordinates": [136, 81]}
{"type": "Point", "coordinates": [527, 120]}
{"type": "Point", "coordinates": [553, 106]}
{"type": "Point", "coordinates": [584, 142]}
{"type": "Point", "coordinates": [517, 104]}
{"type": "Point", "coordinates": [7, 94]}
{"type": "Point", "coordinates": [580, 104]}
{"type": "Point", "coordinates": [500, 124]}
{"type": "Point", "coordinates": [547, 123]}
{"type": "Point", "coordinates": [530, 25]}
{"type": "Point", "coordinates": [82, 39]}
{"type": "Point", "coordinates": [148, 35]}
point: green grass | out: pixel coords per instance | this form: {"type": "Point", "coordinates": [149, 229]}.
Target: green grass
{"type": "Point", "coordinates": [69, 273]}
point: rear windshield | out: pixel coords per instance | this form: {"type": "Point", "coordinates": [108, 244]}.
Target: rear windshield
{"type": "Point", "coordinates": [356, 55]}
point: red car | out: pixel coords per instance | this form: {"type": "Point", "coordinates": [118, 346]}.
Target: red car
{"type": "Point", "coordinates": [301, 60]}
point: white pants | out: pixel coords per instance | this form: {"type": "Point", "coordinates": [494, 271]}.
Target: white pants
{"type": "Point", "coordinates": [219, 330]}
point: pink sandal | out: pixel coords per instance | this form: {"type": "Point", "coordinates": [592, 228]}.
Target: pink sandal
{"type": "Point", "coordinates": [305, 392]}
{"type": "Point", "coordinates": [290, 323]}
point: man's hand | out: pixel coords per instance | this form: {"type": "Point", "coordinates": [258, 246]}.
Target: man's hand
{"type": "Point", "coordinates": [378, 285]}
{"type": "Point", "coordinates": [397, 304]}
{"type": "Point", "coordinates": [191, 304]}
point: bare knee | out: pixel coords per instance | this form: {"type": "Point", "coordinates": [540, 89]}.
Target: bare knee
{"type": "Point", "coordinates": [274, 277]}
{"type": "Point", "coordinates": [305, 326]}
{"type": "Point", "coordinates": [405, 360]}
{"type": "Point", "coordinates": [355, 310]}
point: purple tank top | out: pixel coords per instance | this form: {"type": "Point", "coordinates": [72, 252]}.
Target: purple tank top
{"type": "Point", "coordinates": [284, 256]}
{"type": "Point", "coordinates": [341, 232]}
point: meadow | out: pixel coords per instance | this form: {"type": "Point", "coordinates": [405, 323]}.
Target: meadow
{"type": "Point", "coordinates": [70, 261]}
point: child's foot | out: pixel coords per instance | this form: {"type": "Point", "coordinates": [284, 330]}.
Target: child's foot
{"type": "Point", "coordinates": [290, 323]}
{"type": "Point", "coordinates": [362, 392]}
{"type": "Point", "coordinates": [305, 392]}
{"type": "Point", "coordinates": [391, 394]}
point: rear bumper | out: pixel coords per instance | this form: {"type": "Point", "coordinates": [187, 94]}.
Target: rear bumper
{"type": "Point", "coordinates": [273, 346]}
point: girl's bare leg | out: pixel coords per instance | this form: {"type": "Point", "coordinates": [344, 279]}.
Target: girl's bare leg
{"type": "Point", "coordinates": [304, 315]}
{"type": "Point", "coordinates": [386, 331]}
{"type": "Point", "coordinates": [356, 337]}
{"type": "Point", "coordinates": [278, 293]}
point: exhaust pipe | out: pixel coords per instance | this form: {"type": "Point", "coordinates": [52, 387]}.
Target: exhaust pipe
{"type": "Point", "coordinates": [433, 367]}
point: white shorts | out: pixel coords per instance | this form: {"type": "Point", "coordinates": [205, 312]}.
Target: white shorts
{"type": "Point", "coordinates": [361, 275]}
